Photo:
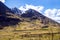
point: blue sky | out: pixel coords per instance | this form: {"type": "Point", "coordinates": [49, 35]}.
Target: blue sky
{"type": "Point", "coordinates": [45, 3]}
{"type": "Point", "coordinates": [49, 8]}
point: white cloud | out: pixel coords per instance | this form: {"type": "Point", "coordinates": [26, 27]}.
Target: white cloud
{"type": "Point", "coordinates": [50, 12]}
{"type": "Point", "coordinates": [2, 1]}
{"type": "Point", "coordinates": [53, 14]}
{"type": "Point", "coordinates": [26, 7]}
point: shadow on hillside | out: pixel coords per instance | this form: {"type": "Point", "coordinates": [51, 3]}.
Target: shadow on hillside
{"type": "Point", "coordinates": [5, 21]}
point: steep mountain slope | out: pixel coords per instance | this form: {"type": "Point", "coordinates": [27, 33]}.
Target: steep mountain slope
{"type": "Point", "coordinates": [4, 9]}
{"type": "Point", "coordinates": [7, 17]}
{"type": "Point", "coordinates": [17, 11]}
{"type": "Point", "coordinates": [33, 19]}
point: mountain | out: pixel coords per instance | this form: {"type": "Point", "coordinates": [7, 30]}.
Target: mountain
{"type": "Point", "coordinates": [7, 17]}
{"type": "Point", "coordinates": [31, 18]}
{"type": "Point", "coordinates": [30, 25]}
{"type": "Point", "coordinates": [41, 20]}
{"type": "Point", "coordinates": [32, 13]}
{"type": "Point", "coordinates": [4, 9]}
{"type": "Point", "coordinates": [17, 11]}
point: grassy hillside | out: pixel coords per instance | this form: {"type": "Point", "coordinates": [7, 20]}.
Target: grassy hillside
{"type": "Point", "coordinates": [30, 25]}
{"type": "Point", "coordinates": [14, 28]}
{"type": "Point", "coordinates": [30, 30]}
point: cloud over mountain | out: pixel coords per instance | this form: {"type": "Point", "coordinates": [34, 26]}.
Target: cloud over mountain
{"type": "Point", "coordinates": [2, 1]}
{"type": "Point", "coordinates": [53, 14]}
{"type": "Point", "coordinates": [26, 7]}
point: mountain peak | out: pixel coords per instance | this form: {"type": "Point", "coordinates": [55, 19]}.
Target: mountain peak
{"type": "Point", "coordinates": [16, 10]}
{"type": "Point", "coordinates": [35, 15]}
{"type": "Point", "coordinates": [30, 13]}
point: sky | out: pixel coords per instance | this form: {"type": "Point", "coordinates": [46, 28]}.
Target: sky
{"type": "Point", "coordinates": [49, 8]}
